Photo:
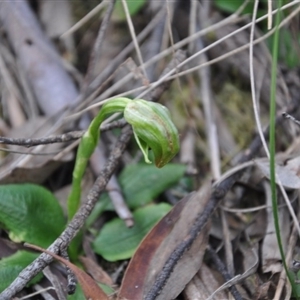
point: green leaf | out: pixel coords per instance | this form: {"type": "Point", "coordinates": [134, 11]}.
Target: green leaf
{"type": "Point", "coordinates": [116, 241]}
{"type": "Point", "coordinates": [30, 213]}
{"type": "Point", "coordinates": [133, 6]}
{"type": "Point", "coordinates": [11, 266]}
{"type": "Point", "coordinates": [230, 6]}
{"type": "Point", "coordinates": [141, 183]}
{"type": "Point", "coordinates": [288, 52]}
{"type": "Point", "coordinates": [78, 295]}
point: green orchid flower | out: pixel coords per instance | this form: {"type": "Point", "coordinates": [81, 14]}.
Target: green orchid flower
{"type": "Point", "coordinates": [152, 127]}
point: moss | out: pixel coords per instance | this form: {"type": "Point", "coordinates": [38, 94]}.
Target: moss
{"type": "Point", "coordinates": [236, 108]}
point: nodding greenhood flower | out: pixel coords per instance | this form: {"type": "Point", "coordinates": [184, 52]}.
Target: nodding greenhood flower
{"type": "Point", "coordinates": [152, 127]}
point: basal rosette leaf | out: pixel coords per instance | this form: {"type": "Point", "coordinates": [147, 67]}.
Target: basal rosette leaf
{"type": "Point", "coordinates": [30, 213]}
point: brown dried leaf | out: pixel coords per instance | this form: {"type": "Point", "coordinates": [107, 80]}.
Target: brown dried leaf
{"type": "Point", "coordinates": [203, 285]}
{"type": "Point", "coordinates": [89, 287]}
{"type": "Point", "coordinates": [163, 242]}
{"type": "Point", "coordinates": [95, 271]}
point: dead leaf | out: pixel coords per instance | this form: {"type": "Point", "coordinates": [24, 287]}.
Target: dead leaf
{"type": "Point", "coordinates": [56, 17]}
{"type": "Point", "coordinates": [293, 165]}
{"type": "Point", "coordinates": [271, 258]}
{"type": "Point", "coordinates": [89, 287]}
{"type": "Point", "coordinates": [203, 285]}
{"type": "Point", "coordinates": [250, 263]}
{"type": "Point", "coordinates": [54, 280]}
{"type": "Point", "coordinates": [32, 168]}
{"type": "Point", "coordinates": [95, 270]}
{"type": "Point", "coordinates": [31, 175]}
{"type": "Point", "coordinates": [41, 64]}
{"type": "Point", "coordinates": [288, 177]}
{"type": "Point", "coordinates": [162, 246]}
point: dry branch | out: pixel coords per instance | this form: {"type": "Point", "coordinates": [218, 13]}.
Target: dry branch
{"type": "Point", "coordinates": [66, 137]}
{"type": "Point", "coordinates": [77, 222]}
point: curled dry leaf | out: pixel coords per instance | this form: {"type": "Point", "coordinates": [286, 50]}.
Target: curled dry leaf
{"type": "Point", "coordinates": [173, 241]}
{"type": "Point", "coordinates": [89, 287]}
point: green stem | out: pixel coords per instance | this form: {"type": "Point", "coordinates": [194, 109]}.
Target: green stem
{"type": "Point", "coordinates": [86, 148]}
{"type": "Point", "coordinates": [272, 142]}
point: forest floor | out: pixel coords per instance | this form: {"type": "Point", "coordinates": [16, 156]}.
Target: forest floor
{"type": "Point", "coordinates": [201, 227]}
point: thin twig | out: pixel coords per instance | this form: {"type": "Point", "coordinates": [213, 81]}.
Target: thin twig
{"type": "Point", "coordinates": [113, 188]}
{"type": "Point", "coordinates": [85, 19]}
{"type": "Point", "coordinates": [153, 46]}
{"type": "Point", "coordinates": [170, 16]}
{"type": "Point", "coordinates": [190, 58]}
{"type": "Point", "coordinates": [28, 152]}
{"type": "Point", "coordinates": [207, 100]}
{"type": "Point", "coordinates": [270, 17]}
{"type": "Point", "coordinates": [170, 75]}
{"type": "Point", "coordinates": [252, 80]}
{"type": "Point", "coordinates": [66, 137]}
{"type": "Point", "coordinates": [100, 78]}
{"type": "Point", "coordinates": [98, 81]}
{"type": "Point", "coordinates": [291, 210]}
{"type": "Point", "coordinates": [256, 113]}
{"type": "Point", "coordinates": [288, 116]}
{"type": "Point", "coordinates": [113, 65]}
{"type": "Point", "coordinates": [231, 19]}
{"type": "Point", "coordinates": [133, 36]}
{"type": "Point", "coordinates": [222, 269]}
{"type": "Point", "coordinates": [76, 223]}
{"type": "Point", "coordinates": [238, 278]}
{"type": "Point", "coordinates": [179, 56]}
{"type": "Point", "coordinates": [37, 292]}
{"type": "Point", "coordinates": [13, 105]}
{"type": "Point", "coordinates": [237, 50]}
{"type": "Point", "coordinates": [95, 55]}
{"type": "Point", "coordinates": [71, 286]}
{"type": "Point", "coordinates": [227, 244]}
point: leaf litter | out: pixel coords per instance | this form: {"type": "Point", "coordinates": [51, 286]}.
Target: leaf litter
{"type": "Point", "coordinates": [241, 230]}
